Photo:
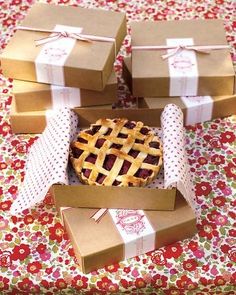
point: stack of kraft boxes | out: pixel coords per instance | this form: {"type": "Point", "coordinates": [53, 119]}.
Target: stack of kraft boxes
{"type": "Point", "coordinates": [179, 62]}
{"type": "Point", "coordinates": [51, 73]}
{"type": "Point", "coordinates": [165, 62]}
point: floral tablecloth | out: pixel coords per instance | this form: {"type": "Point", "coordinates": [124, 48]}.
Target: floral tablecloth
{"type": "Point", "coordinates": [36, 256]}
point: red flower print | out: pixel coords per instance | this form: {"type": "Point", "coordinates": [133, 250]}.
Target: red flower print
{"type": "Point", "coordinates": [210, 15]}
{"type": "Point", "coordinates": [190, 264]}
{"type": "Point", "coordinates": [12, 190]}
{"type": "Point", "coordinates": [18, 164]}
{"type": "Point", "coordinates": [46, 218]}
{"type": "Point", "coordinates": [193, 246]}
{"type": "Point", "coordinates": [212, 215]}
{"type": "Point", "coordinates": [5, 259]}
{"type": "Point", "coordinates": [102, 285]}
{"type": "Point", "coordinates": [112, 268]}
{"type": "Point", "coordinates": [158, 257]}
{"type": "Point", "coordinates": [61, 284]}
{"type": "Point", "coordinates": [5, 129]}
{"type": "Point", "coordinates": [6, 205]}
{"type": "Point", "coordinates": [202, 161]}
{"type": "Point", "coordinates": [41, 248]}
{"type": "Point", "coordinates": [203, 188]}
{"type": "Point", "coordinates": [230, 170]}
{"type": "Point", "coordinates": [207, 229]}
{"type": "Point", "coordinates": [3, 165]}
{"type": "Point", "coordinates": [186, 283]}
{"type": "Point", "coordinates": [56, 232]}
{"type": "Point", "coordinates": [232, 254]}
{"type": "Point", "coordinates": [227, 136]}
{"type": "Point", "coordinates": [16, 2]}
{"type": "Point", "coordinates": [9, 21]}
{"type": "Point", "coordinates": [159, 16]}
{"type": "Point", "coordinates": [140, 283]}
{"type": "Point", "coordinates": [34, 267]}
{"type": "Point", "coordinates": [28, 219]}
{"type": "Point", "coordinates": [8, 237]}
{"type": "Point", "coordinates": [4, 283]}
{"type": "Point", "coordinates": [20, 252]}
{"type": "Point", "coordinates": [25, 285]}
{"type": "Point", "coordinates": [219, 201]}
{"type": "Point", "coordinates": [125, 284]}
{"type": "Point", "coordinates": [217, 159]}
{"type": "Point", "coordinates": [225, 248]}
{"type": "Point", "coordinates": [1, 191]}
{"type": "Point", "coordinates": [232, 232]}
{"type": "Point", "coordinates": [219, 281]}
{"type": "Point", "coordinates": [159, 281]}
{"type": "Point", "coordinates": [80, 282]}
{"type": "Point", "coordinates": [173, 251]}
{"type": "Point", "coordinates": [221, 185]}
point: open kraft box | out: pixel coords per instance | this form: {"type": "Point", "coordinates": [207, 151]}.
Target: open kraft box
{"type": "Point", "coordinates": [47, 165]}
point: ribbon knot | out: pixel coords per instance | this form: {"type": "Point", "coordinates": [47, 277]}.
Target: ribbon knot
{"type": "Point", "coordinates": [206, 49]}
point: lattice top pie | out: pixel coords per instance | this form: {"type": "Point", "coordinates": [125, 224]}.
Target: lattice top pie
{"type": "Point", "coordinates": [116, 152]}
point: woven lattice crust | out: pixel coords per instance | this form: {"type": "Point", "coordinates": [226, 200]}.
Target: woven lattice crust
{"type": "Point", "coordinates": [116, 152]}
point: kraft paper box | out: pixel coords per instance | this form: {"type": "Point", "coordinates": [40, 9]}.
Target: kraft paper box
{"type": "Point", "coordinates": [34, 122]}
{"type": "Point", "coordinates": [158, 71]}
{"type": "Point", "coordinates": [48, 167]}
{"type": "Point", "coordinates": [195, 109]}
{"type": "Point", "coordinates": [31, 96]}
{"type": "Point", "coordinates": [62, 58]}
{"type": "Point", "coordinates": [122, 234]}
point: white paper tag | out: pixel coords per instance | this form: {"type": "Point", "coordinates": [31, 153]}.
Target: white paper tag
{"type": "Point", "coordinates": [65, 97]}
{"type": "Point", "coordinates": [199, 109]}
{"type": "Point", "coordinates": [183, 69]}
{"type": "Point", "coordinates": [135, 230]}
{"type": "Point", "coordinates": [53, 55]}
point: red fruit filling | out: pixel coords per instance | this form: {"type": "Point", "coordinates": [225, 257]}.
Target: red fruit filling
{"type": "Point", "coordinates": [130, 125]}
{"type": "Point", "coordinates": [121, 135]}
{"type": "Point", "coordinates": [82, 140]}
{"type": "Point", "coordinates": [76, 152]}
{"type": "Point", "coordinates": [125, 167]}
{"type": "Point", "coordinates": [95, 128]}
{"type": "Point", "coordinates": [100, 143]}
{"type": "Point", "coordinates": [143, 173]}
{"type": "Point", "coordinates": [109, 162]}
{"type": "Point", "coordinates": [100, 178]}
{"type": "Point", "coordinates": [116, 146]}
{"type": "Point", "coordinates": [151, 159]}
{"type": "Point", "coordinates": [154, 144]}
{"type": "Point", "coordinates": [109, 130]}
{"type": "Point", "coordinates": [89, 131]}
{"type": "Point", "coordinates": [144, 130]}
{"type": "Point", "coordinates": [139, 141]}
{"type": "Point", "coordinates": [116, 182]}
{"type": "Point", "coordinates": [86, 172]}
{"type": "Point", "coordinates": [91, 158]}
{"type": "Point", "coordinates": [133, 153]}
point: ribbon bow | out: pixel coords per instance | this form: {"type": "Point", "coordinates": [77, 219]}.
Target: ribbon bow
{"type": "Point", "coordinates": [58, 35]}
{"type": "Point", "coordinates": [175, 49]}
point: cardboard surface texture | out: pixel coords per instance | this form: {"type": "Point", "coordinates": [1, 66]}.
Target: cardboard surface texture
{"type": "Point", "coordinates": [99, 244]}
{"type": "Point", "coordinates": [222, 106]}
{"type": "Point", "coordinates": [151, 75]}
{"type": "Point", "coordinates": [31, 96]}
{"type": "Point", "coordinates": [82, 67]}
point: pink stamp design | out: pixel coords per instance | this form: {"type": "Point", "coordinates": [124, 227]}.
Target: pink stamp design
{"type": "Point", "coordinates": [182, 63]}
{"type": "Point", "coordinates": [55, 54]}
{"type": "Point", "coordinates": [131, 221]}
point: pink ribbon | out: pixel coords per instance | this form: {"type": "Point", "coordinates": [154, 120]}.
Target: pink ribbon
{"type": "Point", "coordinates": [97, 216]}
{"type": "Point", "coordinates": [58, 35]}
{"type": "Point", "coordinates": [175, 49]}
